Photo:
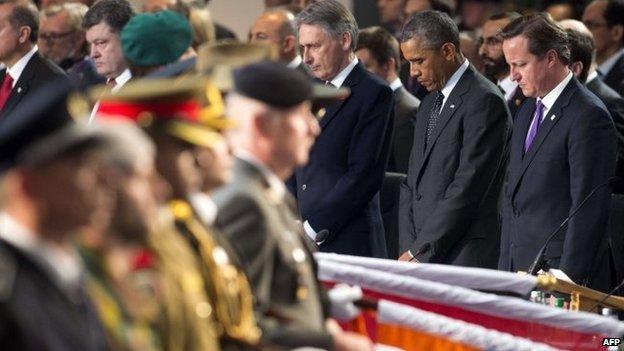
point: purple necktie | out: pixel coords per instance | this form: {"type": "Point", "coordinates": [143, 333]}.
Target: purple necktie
{"type": "Point", "coordinates": [537, 120]}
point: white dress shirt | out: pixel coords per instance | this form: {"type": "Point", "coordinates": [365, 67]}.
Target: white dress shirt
{"type": "Point", "coordinates": [509, 87]}
{"type": "Point", "coordinates": [607, 66]}
{"type": "Point", "coordinates": [452, 82]}
{"type": "Point", "coordinates": [295, 62]}
{"type": "Point", "coordinates": [18, 68]}
{"type": "Point", "coordinates": [396, 84]}
{"type": "Point", "coordinates": [120, 81]}
{"type": "Point", "coordinates": [549, 99]}
{"type": "Point", "coordinates": [339, 79]}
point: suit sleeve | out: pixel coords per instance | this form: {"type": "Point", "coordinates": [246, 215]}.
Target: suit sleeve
{"type": "Point", "coordinates": [244, 225]}
{"type": "Point", "coordinates": [591, 157]}
{"type": "Point", "coordinates": [485, 124]}
{"type": "Point", "coordinates": [369, 149]}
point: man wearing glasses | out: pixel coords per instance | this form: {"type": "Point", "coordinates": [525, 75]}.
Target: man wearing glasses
{"type": "Point", "coordinates": [496, 68]}
{"type": "Point", "coordinates": [62, 40]}
{"type": "Point", "coordinates": [25, 69]}
{"type": "Point", "coordinates": [605, 19]}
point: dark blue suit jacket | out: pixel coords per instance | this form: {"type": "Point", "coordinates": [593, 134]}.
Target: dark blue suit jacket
{"type": "Point", "coordinates": [338, 190]}
{"type": "Point", "coordinates": [573, 152]}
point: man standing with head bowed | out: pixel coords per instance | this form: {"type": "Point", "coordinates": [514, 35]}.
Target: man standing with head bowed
{"type": "Point", "coordinates": [563, 147]}
{"type": "Point", "coordinates": [449, 203]}
{"type": "Point", "coordinates": [338, 190]}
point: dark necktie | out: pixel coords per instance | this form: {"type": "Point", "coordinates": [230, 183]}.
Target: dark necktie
{"type": "Point", "coordinates": [434, 114]}
{"type": "Point", "coordinates": [5, 90]}
{"type": "Point", "coordinates": [534, 127]}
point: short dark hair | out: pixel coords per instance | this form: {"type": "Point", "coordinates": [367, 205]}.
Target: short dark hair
{"type": "Point", "coordinates": [381, 44]}
{"type": "Point", "coordinates": [543, 35]}
{"type": "Point", "coordinates": [24, 13]}
{"type": "Point", "coordinates": [115, 13]}
{"type": "Point", "coordinates": [435, 28]}
{"type": "Point", "coordinates": [614, 13]}
{"type": "Point", "coordinates": [581, 49]}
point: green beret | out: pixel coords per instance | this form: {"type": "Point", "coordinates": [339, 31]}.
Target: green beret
{"type": "Point", "coordinates": [156, 39]}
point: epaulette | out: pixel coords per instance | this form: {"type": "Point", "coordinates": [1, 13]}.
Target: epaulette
{"type": "Point", "coordinates": [8, 271]}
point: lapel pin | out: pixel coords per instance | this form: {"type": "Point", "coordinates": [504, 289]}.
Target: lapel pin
{"type": "Point", "coordinates": [19, 90]}
{"type": "Point", "coordinates": [552, 118]}
{"type": "Point", "coordinates": [452, 106]}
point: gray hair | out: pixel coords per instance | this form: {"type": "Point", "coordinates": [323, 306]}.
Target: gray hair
{"type": "Point", "coordinates": [434, 28]}
{"type": "Point", "coordinates": [128, 146]}
{"type": "Point", "coordinates": [333, 17]}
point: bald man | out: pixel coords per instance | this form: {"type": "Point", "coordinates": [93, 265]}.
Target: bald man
{"type": "Point", "coordinates": [276, 28]}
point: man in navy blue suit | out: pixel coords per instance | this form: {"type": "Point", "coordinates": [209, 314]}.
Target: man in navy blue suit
{"type": "Point", "coordinates": [338, 191]}
{"type": "Point", "coordinates": [563, 146]}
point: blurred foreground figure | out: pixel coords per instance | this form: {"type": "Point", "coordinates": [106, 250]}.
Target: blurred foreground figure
{"type": "Point", "coordinates": [271, 104]}
{"type": "Point", "coordinates": [207, 300]}
{"type": "Point", "coordinates": [50, 189]}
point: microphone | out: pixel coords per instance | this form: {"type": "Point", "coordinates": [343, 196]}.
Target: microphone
{"type": "Point", "coordinates": [540, 259]}
{"type": "Point", "coordinates": [423, 249]}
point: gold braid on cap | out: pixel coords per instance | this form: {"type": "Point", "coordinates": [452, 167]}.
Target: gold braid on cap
{"type": "Point", "coordinates": [213, 114]}
{"type": "Point", "coordinates": [226, 284]}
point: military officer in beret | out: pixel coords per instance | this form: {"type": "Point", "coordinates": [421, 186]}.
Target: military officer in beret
{"type": "Point", "coordinates": [50, 188]}
{"type": "Point", "coordinates": [172, 114]}
{"type": "Point", "coordinates": [151, 41]}
{"type": "Point", "coordinates": [275, 131]}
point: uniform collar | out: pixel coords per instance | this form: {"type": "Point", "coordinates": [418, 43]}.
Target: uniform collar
{"type": "Point", "coordinates": [275, 183]}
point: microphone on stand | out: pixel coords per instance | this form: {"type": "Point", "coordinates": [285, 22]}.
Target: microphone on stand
{"type": "Point", "coordinates": [540, 259]}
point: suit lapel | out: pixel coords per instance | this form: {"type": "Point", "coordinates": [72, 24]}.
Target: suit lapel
{"type": "Point", "coordinates": [453, 103]}
{"type": "Point", "coordinates": [22, 85]}
{"type": "Point", "coordinates": [550, 120]}
{"type": "Point", "coordinates": [352, 80]}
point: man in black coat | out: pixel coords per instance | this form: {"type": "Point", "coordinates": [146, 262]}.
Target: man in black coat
{"type": "Point", "coordinates": [584, 68]}
{"type": "Point", "coordinates": [449, 203]}
{"type": "Point", "coordinates": [605, 19]}
{"type": "Point", "coordinates": [25, 69]}
{"type": "Point", "coordinates": [379, 52]}
{"type": "Point", "coordinates": [49, 170]}
{"type": "Point", "coordinates": [338, 190]}
{"type": "Point", "coordinates": [563, 147]}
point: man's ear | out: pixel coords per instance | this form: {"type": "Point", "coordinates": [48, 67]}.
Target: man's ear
{"type": "Point", "coordinates": [448, 51]}
{"type": "Point", "coordinates": [617, 33]}
{"type": "Point", "coordinates": [576, 68]}
{"type": "Point", "coordinates": [345, 41]}
{"type": "Point", "coordinates": [552, 57]}
{"type": "Point", "coordinates": [289, 44]}
{"type": "Point", "coordinates": [24, 34]}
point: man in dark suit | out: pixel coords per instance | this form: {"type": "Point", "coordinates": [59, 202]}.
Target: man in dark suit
{"type": "Point", "coordinates": [338, 190]}
{"type": "Point", "coordinates": [496, 68]}
{"type": "Point", "coordinates": [449, 203]}
{"type": "Point", "coordinates": [379, 52]}
{"type": "Point", "coordinates": [605, 19]}
{"type": "Point", "coordinates": [257, 215]}
{"type": "Point", "coordinates": [563, 147]}
{"type": "Point", "coordinates": [584, 68]}
{"type": "Point", "coordinates": [49, 170]}
{"type": "Point", "coordinates": [276, 27]}
{"type": "Point", "coordinates": [25, 69]}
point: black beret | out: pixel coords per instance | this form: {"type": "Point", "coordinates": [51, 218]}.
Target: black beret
{"type": "Point", "coordinates": [273, 83]}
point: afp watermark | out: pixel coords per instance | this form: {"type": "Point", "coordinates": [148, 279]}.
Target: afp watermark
{"type": "Point", "coordinates": [612, 343]}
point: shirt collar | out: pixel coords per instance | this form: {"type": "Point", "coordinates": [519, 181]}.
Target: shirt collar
{"type": "Point", "coordinates": [549, 99]}
{"type": "Point", "coordinates": [452, 82]}
{"type": "Point", "coordinates": [62, 264]}
{"type": "Point", "coordinates": [606, 66]}
{"type": "Point", "coordinates": [19, 66]}
{"type": "Point", "coordinates": [295, 62]}
{"type": "Point", "coordinates": [396, 84]}
{"type": "Point", "coordinates": [508, 86]}
{"type": "Point", "coordinates": [122, 79]}
{"type": "Point", "coordinates": [205, 208]}
{"type": "Point", "coordinates": [591, 76]}
{"type": "Point", "coordinates": [342, 76]}
{"type": "Point", "coordinates": [275, 183]}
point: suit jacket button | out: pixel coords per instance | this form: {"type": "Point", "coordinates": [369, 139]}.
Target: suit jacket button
{"type": "Point", "coordinates": [303, 187]}
{"type": "Point", "coordinates": [418, 197]}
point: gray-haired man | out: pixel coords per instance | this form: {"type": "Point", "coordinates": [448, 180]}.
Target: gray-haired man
{"type": "Point", "coordinates": [449, 204]}
{"type": "Point", "coordinates": [338, 190]}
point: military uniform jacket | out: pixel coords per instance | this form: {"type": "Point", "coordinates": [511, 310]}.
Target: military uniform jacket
{"type": "Point", "coordinates": [37, 314]}
{"type": "Point", "coordinates": [262, 230]}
